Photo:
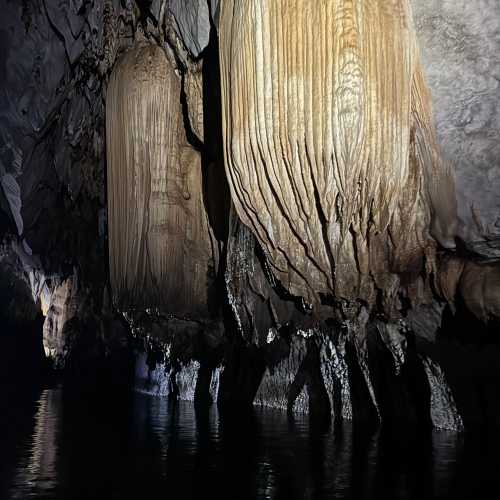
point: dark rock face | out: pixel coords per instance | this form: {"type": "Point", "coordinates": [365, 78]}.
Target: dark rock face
{"type": "Point", "coordinates": [21, 323]}
{"type": "Point", "coordinates": [229, 324]}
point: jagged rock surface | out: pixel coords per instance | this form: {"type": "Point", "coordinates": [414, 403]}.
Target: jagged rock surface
{"type": "Point", "coordinates": [176, 358]}
{"type": "Point", "coordinates": [63, 308]}
{"type": "Point", "coordinates": [277, 389]}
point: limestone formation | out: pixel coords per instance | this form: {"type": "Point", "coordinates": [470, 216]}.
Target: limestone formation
{"type": "Point", "coordinates": [330, 149]}
{"type": "Point", "coordinates": [192, 23]}
{"type": "Point", "coordinates": [331, 280]}
{"type": "Point", "coordinates": [480, 288]}
{"type": "Point", "coordinates": [161, 252]}
{"type": "Point", "coordinates": [476, 284]}
{"type": "Point", "coordinates": [460, 42]}
{"type": "Point", "coordinates": [63, 307]}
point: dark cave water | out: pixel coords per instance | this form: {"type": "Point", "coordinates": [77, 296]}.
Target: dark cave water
{"type": "Point", "coordinates": [61, 447]}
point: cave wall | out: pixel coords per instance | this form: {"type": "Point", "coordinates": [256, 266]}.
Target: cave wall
{"type": "Point", "coordinates": [278, 333]}
{"type": "Point", "coordinates": [460, 46]}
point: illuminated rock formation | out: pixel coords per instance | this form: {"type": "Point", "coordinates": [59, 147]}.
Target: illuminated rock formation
{"type": "Point", "coordinates": [63, 307]}
{"type": "Point", "coordinates": [478, 285]}
{"type": "Point", "coordinates": [161, 251]}
{"type": "Point", "coordinates": [321, 285]}
{"type": "Point", "coordinates": [330, 149]}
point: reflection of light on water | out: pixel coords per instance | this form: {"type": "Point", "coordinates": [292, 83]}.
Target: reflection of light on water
{"type": "Point", "coordinates": [446, 449]}
{"type": "Point", "coordinates": [164, 426]}
{"type": "Point", "coordinates": [266, 482]}
{"type": "Point", "coordinates": [38, 472]}
{"type": "Point", "coordinates": [191, 452]}
{"type": "Point", "coordinates": [159, 417]}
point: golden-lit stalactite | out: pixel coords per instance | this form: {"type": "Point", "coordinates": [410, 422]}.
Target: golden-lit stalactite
{"type": "Point", "coordinates": [330, 148]}
{"type": "Point", "coordinates": [161, 252]}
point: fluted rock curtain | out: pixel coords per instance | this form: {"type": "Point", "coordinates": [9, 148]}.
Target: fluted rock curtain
{"type": "Point", "coordinates": [329, 144]}
{"type": "Point", "coordinates": [160, 248]}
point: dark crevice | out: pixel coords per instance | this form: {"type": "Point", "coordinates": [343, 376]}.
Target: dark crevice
{"type": "Point", "coordinates": [324, 233]}
{"type": "Point", "coordinates": [191, 137]}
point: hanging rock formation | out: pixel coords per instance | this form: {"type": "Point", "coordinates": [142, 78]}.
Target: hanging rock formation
{"type": "Point", "coordinates": [160, 246]}
{"type": "Point", "coordinates": [318, 287]}
{"type": "Point", "coordinates": [329, 146]}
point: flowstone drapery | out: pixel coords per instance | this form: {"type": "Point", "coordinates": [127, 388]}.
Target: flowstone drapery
{"type": "Point", "coordinates": [161, 251]}
{"type": "Point", "coordinates": [330, 148]}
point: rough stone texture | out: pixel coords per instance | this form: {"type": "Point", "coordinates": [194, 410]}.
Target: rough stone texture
{"type": "Point", "coordinates": [444, 413]}
{"type": "Point", "coordinates": [252, 291]}
{"type": "Point", "coordinates": [155, 381]}
{"type": "Point", "coordinates": [192, 23]}
{"type": "Point", "coordinates": [63, 307]}
{"type": "Point", "coordinates": [163, 379]}
{"type": "Point", "coordinates": [358, 335]}
{"type": "Point", "coordinates": [193, 87]}
{"type": "Point", "coordinates": [215, 384]}
{"type": "Point", "coordinates": [52, 58]}
{"type": "Point", "coordinates": [480, 288]}
{"type": "Point", "coordinates": [395, 342]}
{"type": "Point", "coordinates": [460, 46]}
{"type": "Point", "coordinates": [426, 320]}
{"type": "Point", "coordinates": [335, 372]}
{"type": "Point", "coordinates": [177, 358]}
{"type": "Point", "coordinates": [275, 390]}
{"type": "Point", "coordinates": [186, 379]}
{"type": "Point", "coordinates": [475, 285]}
{"type": "Point", "coordinates": [55, 61]}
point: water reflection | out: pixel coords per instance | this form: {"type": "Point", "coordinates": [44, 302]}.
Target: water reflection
{"type": "Point", "coordinates": [37, 471]}
{"type": "Point", "coordinates": [136, 449]}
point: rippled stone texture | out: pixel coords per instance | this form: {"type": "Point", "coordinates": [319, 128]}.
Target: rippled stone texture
{"type": "Point", "coordinates": [160, 245]}
{"type": "Point", "coordinates": [329, 145]}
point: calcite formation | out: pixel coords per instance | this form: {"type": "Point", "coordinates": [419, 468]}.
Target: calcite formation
{"type": "Point", "coordinates": [63, 308]}
{"type": "Point", "coordinates": [338, 192]}
{"type": "Point", "coordinates": [330, 149]}
{"type": "Point", "coordinates": [161, 251]}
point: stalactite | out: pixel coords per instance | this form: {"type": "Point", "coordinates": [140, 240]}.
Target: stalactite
{"type": "Point", "coordinates": [444, 413]}
{"type": "Point", "coordinates": [275, 387]}
{"type": "Point", "coordinates": [330, 148]}
{"type": "Point", "coordinates": [63, 307]}
{"type": "Point", "coordinates": [161, 250]}
{"type": "Point", "coordinates": [335, 372]}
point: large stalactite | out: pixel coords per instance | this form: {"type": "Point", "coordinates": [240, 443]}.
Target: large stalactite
{"type": "Point", "coordinates": [330, 149]}
{"type": "Point", "coordinates": [160, 245]}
